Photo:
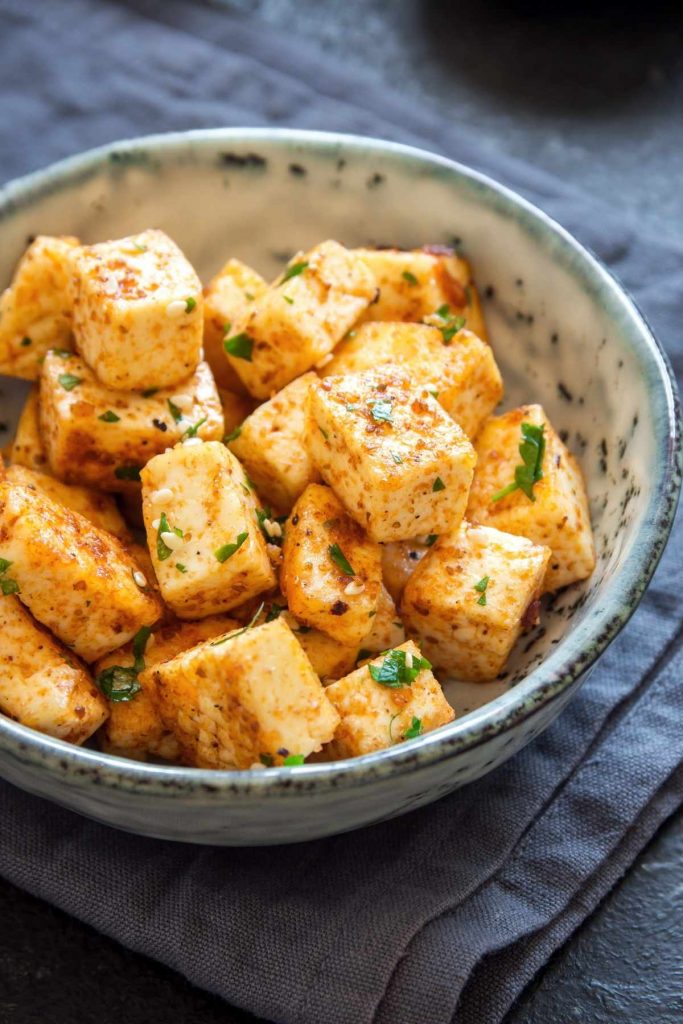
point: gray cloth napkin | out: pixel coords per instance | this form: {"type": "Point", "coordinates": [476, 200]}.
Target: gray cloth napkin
{"type": "Point", "coordinates": [444, 914]}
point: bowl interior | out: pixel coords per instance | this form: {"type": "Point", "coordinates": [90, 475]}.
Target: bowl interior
{"type": "Point", "coordinates": [562, 332]}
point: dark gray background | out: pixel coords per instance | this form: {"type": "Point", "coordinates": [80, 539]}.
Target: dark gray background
{"type": "Point", "coordinates": [594, 94]}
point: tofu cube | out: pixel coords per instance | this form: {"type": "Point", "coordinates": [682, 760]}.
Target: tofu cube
{"type": "Point", "coordinates": [375, 716]}
{"type": "Point", "coordinates": [459, 369]}
{"type": "Point", "coordinates": [137, 311]}
{"type": "Point", "coordinates": [399, 561]}
{"type": "Point", "coordinates": [470, 597]}
{"type": "Point", "coordinates": [27, 447]}
{"type": "Point", "coordinates": [206, 546]}
{"type": "Point", "coordinates": [300, 318]}
{"type": "Point", "coordinates": [227, 298]}
{"type": "Point", "coordinates": [99, 509]}
{"type": "Point", "coordinates": [271, 445]}
{"type": "Point", "coordinates": [331, 571]}
{"type": "Point", "coordinates": [35, 311]}
{"type": "Point", "coordinates": [415, 283]}
{"type": "Point", "coordinates": [102, 438]}
{"type": "Point", "coordinates": [75, 579]}
{"type": "Point", "coordinates": [400, 465]}
{"type": "Point", "coordinates": [42, 684]}
{"type": "Point", "coordinates": [386, 629]}
{"type": "Point", "coordinates": [245, 698]}
{"type": "Point", "coordinates": [557, 517]}
{"type": "Point", "coordinates": [134, 727]}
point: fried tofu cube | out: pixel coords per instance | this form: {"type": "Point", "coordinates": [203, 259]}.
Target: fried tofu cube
{"type": "Point", "coordinates": [27, 447]}
{"type": "Point", "coordinates": [75, 579]}
{"type": "Point", "coordinates": [102, 438]}
{"type": "Point", "coordinates": [137, 311]}
{"type": "Point", "coordinates": [245, 698]}
{"type": "Point", "coordinates": [557, 517]}
{"type": "Point", "coordinates": [99, 509]}
{"type": "Point", "coordinates": [227, 298]}
{"type": "Point", "coordinates": [206, 546]}
{"type": "Point", "coordinates": [399, 561]}
{"type": "Point", "coordinates": [470, 598]}
{"type": "Point", "coordinates": [459, 369]}
{"type": "Point", "coordinates": [386, 629]}
{"type": "Point", "coordinates": [35, 311]}
{"type": "Point", "coordinates": [415, 283]}
{"type": "Point", "coordinates": [42, 684]}
{"type": "Point", "coordinates": [376, 715]}
{"type": "Point", "coordinates": [135, 728]}
{"type": "Point", "coordinates": [400, 465]}
{"type": "Point", "coordinates": [271, 445]}
{"type": "Point", "coordinates": [300, 318]}
{"type": "Point", "coordinates": [331, 571]}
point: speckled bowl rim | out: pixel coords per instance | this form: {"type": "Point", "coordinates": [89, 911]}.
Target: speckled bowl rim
{"type": "Point", "coordinates": [563, 666]}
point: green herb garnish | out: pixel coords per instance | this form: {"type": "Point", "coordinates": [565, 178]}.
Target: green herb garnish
{"type": "Point", "coordinates": [287, 299]}
{"type": "Point", "coordinates": [438, 485]}
{"type": "Point", "coordinates": [148, 392]}
{"type": "Point", "coordinates": [394, 671]}
{"type": "Point", "coordinates": [109, 417]}
{"type": "Point", "coordinates": [180, 567]}
{"type": "Point", "coordinates": [119, 683]}
{"type": "Point", "coordinates": [267, 760]}
{"type": "Point", "coordinates": [163, 550]}
{"type": "Point", "coordinates": [452, 323]}
{"type": "Point", "coordinates": [294, 270]}
{"type": "Point", "coordinates": [480, 587]}
{"type": "Point", "coordinates": [25, 342]}
{"type": "Point", "coordinates": [324, 433]}
{"type": "Point", "coordinates": [293, 759]}
{"type": "Point", "coordinates": [410, 278]}
{"type": "Point", "coordinates": [193, 428]}
{"type": "Point", "coordinates": [240, 346]}
{"type": "Point", "coordinates": [414, 730]}
{"type": "Point", "coordinates": [233, 435]}
{"type": "Point", "coordinates": [69, 381]}
{"type": "Point", "coordinates": [228, 550]}
{"type": "Point", "coordinates": [396, 458]}
{"type": "Point", "coordinates": [340, 559]}
{"type": "Point", "coordinates": [174, 410]}
{"type": "Point", "coordinates": [431, 539]}
{"type": "Point", "coordinates": [231, 636]}
{"type": "Point", "coordinates": [274, 612]}
{"type": "Point", "coordinates": [382, 411]}
{"type": "Point", "coordinates": [63, 353]}
{"type": "Point", "coordinates": [532, 450]}
{"type": "Point", "coordinates": [127, 473]}
{"type": "Point", "coordinates": [190, 304]}
{"type": "Point", "coordinates": [7, 585]}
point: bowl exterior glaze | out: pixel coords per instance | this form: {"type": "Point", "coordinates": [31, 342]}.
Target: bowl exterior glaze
{"type": "Point", "coordinates": [564, 334]}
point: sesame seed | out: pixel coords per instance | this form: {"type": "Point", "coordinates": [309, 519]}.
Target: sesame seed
{"type": "Point", "coordinates": [192, 440]}
{"type": "Point", "coordinates": [272, 528]}
{"type": "Point", "coordinates": [171, 540]}
{"type": "Point", "coordinates": [176, 308]}
{"type": "Point", "coordinates": [163, 494]}
{"type": "Point", "coordinates": [354, 587]}
{"type": "Point", "coordinates": [156, 523]}
{"type": "Point", "coordinates": [183, 401]}
{"type": "Point", "coordinates": [409, 659]}
{"type": "Point", "coordinates": [140, 578]}
{"type": "Point", "coordinates": [324, 361]}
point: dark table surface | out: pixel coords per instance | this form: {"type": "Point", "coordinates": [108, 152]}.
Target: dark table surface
{"type": "Point", "coordinates": [598, 99]}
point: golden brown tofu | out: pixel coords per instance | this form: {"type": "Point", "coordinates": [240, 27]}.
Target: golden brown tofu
{"type": "Point", "coordinates": [207, 549]}
{"type": "Point", "coordinates": [227, 298]}
{"type": "Point", "coordinates": [35, 311]}
{"type": "Point", "coordinates": [399, 464]}
{"type": "Point", "coordinates": [331, 573]}
{"type": "Point", "coordinates": [271, 445]}
{"type": "Point", "coordinates": [137, 311]}
{"type": "Point", "coordinates": [399, 561]}
{"type": "Point", "coordinates": [100, 509]}
{"type": "Point", "coordinates": [244, 699]}
{"type": "Point", "coordinates": [557, 514]}
{"type": "Point", "coordinates": [470, 597]}
{"type": "Point", "coordinates": [300, 318]}
{"type": "Point", "coordinates": [386, 628]}
{"type": "Point", "coordinates": [393, 698]}
{"type": "Point", "coordinates": [103, 438]}
{"type": "Point", "coordinates": [134, 727]}
{"type": "Point", "coordinates": [415, 283]}
{"type": "Point", "coordinates": [458, 368]}
{"type": "Point", "coordinates": [27, 448]}
{"type": "Point", "coordinates": [75, 579]}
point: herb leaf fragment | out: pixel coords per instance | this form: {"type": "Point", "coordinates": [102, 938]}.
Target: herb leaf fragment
{"type": "Point", "coordinates": [340, 559]}
{"type": "Point", "coordinates": [228, 550]}
{"type": "Point", "coordinates": [481, 587]}
{"type": "Point", "coordinates": [532, 450]}
{"type": "Point", "coordinates": [395, 671]}
{"type": "Point", "coordinates": [414, 730]}
{"type": "Point", "coordinates": [69, 381]}
{"type": "Point", "coordinates": [240, 346]}
{"type": "Point", "coordinates": [7, 585]}
{"type": "Point", "coordinates": [163, 550]}
{"type": "Point", "coordinates": [119, 683]}
{"type": "Point", "coordinates": [294, 270]}
{"type": "Point", "coordinates": [239, 632]}
{"type": "Point", "coordinates": [382, 411]}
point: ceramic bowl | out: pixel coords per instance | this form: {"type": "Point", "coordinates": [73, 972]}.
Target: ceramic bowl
{"type": "Point", "coordinates": [564, 334]}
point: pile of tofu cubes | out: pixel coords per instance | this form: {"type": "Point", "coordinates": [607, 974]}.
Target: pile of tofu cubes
{"type": "Point", "coordinates": [317, 473]}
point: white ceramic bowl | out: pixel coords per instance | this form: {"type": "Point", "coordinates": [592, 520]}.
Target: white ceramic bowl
{"type": "Point", "coordinates": [556, 317]}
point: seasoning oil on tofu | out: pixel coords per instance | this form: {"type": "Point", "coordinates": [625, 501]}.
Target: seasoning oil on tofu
{"type": "Point", "coordinates": [334, 522]}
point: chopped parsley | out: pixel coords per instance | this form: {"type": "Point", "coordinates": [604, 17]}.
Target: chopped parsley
{"type": "Point", "coordinates": [119, 683]}
{"type": "Point", "coordinates": [63, 353]}
{"type": "Point", "coordinates": [324, 433]}
{"type": "Point", "coordinates": [240, 346]}
{"type": "Point", "coordinates": [190, 304]}
{"type": "Point", "coordinates": [480, 587]}
{"type": "Point", "coordinates": [410, 278]}
{"type": "Point", "coordinates": [267, 760]}
{"type": "Point", "coordinates": [127, 473]}
{"type": "Point", "coordinates": [294, 270]}
{"type": "Point", "coordinates": [414, 730]}
{"type": "Point", "coordinates": [438, 485]}
{"type": "Point", "coordinates": [287, 299]}
{"type": "Point", "coordinates": [532, 450]}
{"type": "Point", "coordinates": [148, 392]}
{"type": "Point", "coordinates": [394, 671]}
{"type": "Point", "coordinates": [228, 550]}
{"type": "Point", "coordinates": [193, 428]}
{"type": "Point", "coordinates": [233, 435]}
{"type": "Point", "coordinates": [340, 559]}
{"type": "Point", "coordinates": [7, 585]}
{"type": "Point", "coordinates": [109, 417]}
{"type": "Point", "coordinates": [382, 411]}
{"type": "Point", "coordinates": [452, 323]}
{"type": "Point", "coordinates": [239, 632]}
{"type": "Point", "coordinates": [431, 539]}
{"type": "Point", "coordinates": [69, 381]}
{"type": "Point", "coordinates": [174, 410]}
{"type": "Point", "coordinates": [274, 612]}
{"type": "Point", "coordinates": [25, 342]}
{"type": "Point", "coordinates": [180, 567]}
{"type": "Point", "coordinates": [163, 550]}
{"type": "Point", "coordinates": [396, 458]}
{"type": "Point", "coordinates": [261, 515]}
{"type": "Point", "coordinates": [293, 759]}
